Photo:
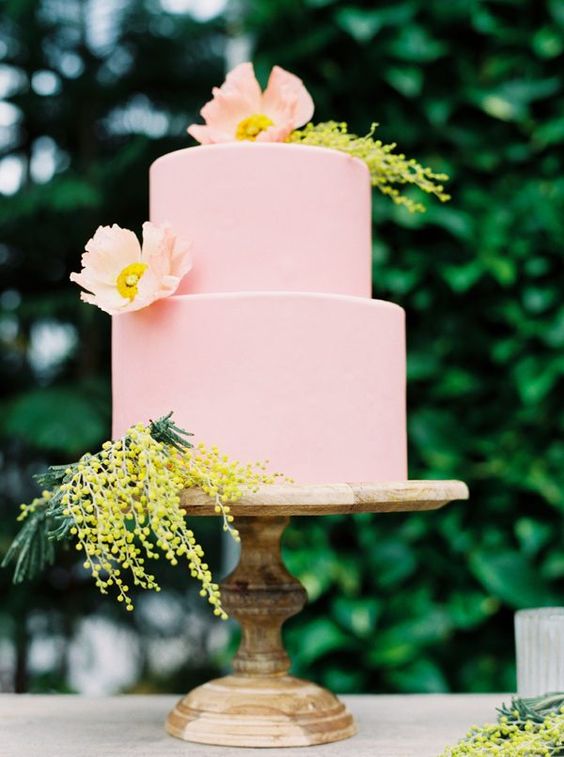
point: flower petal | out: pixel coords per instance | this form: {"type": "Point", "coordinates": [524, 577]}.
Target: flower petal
{"type": "Point", "coordinates": [164, 252]}
{"type": "Point", "coordinates": [107, 299]}
{"type": "Point", "coordinates": [147, 289]}
{"type": "Point", "coordinates": [276, 133]}
{"type": "Point", "coordinates": [158, 247]}
{"type": "Point", "coordinates": [202, 134]}
{"type": "Point", "coordinates": [154, 237]}
{"type": "Point", "coordinates": [167, 286]}
{"type": "Point", "coordinates": [283, 88]}
{"type": "Point", "coordinates": [110, 250]}
{"type": "Point", "coordinates": [226, 111]}
{"type": "Point", "coordinates": [89, 298]}
{"type": "Point", "coordinates": [237, 98]}
{"type": "Point", "coordinates": [181, 258]}
{"type": "Point", "coordinates": [86, 281]}
{"type": "Point", "coordinates": [242, 80]}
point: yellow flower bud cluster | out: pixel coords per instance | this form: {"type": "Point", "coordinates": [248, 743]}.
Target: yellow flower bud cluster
{"type": "Point", "coordinates": [222, 479]}
{"type": "Point", "coordinates": [123, 508]}
{"type": "Point", "coordinates": [386, 167]}
{"type": "Point", "coordinates": [512, 739]}
{"type": "Point", "coordinates": [38, 503]}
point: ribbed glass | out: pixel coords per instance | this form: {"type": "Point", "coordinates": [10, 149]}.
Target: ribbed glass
{"type": "Point", "coordinates": [539, 638]}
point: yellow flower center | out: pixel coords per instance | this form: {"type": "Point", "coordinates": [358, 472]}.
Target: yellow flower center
{"type": "Point", "coordinates": [249, 128]}
{"type": "Point", "coordinates": [128, 280]}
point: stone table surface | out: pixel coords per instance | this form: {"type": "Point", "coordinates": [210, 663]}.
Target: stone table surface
{"type": "Point", "coordinates": [127, 726]}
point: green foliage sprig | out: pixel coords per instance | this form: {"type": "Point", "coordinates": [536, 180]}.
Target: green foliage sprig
{"type": "Point", "coordinates": [33, 549]}
{"type": "Point", "coordinates": [387, 168]}
{"type": "Point", "coordinates": [532, 709]}
{"type": "Point", "coordinates": [532, 727]}
{"type": "Point", "coordinates": [122, 506]}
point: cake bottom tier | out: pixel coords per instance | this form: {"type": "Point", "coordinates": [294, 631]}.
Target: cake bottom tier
{"type": "Point", "coordinates": [315, 383]}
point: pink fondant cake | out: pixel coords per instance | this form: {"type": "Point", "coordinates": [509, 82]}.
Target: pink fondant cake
{"type": "Point", "coordinates": [267, 217]}
{"type": "Point", "coordinates": [272, 347]}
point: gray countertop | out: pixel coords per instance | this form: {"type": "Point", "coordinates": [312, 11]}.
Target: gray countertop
{"type": "Point", "coordinates": [76, 726]}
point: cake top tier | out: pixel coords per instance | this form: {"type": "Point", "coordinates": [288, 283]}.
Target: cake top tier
{"type": "Point", "coordinates": [266, 216]}
{"type": "Point", "coordinates": [262, 205]}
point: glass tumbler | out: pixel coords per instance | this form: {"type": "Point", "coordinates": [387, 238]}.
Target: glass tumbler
{"type": "Point", "coordinates": [539, 639]}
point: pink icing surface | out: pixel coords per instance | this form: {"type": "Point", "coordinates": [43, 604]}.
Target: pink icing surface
{"type": "Point", "coordinates": [268, 217]}
{"type": "Point", "coordinates": [314, 382]}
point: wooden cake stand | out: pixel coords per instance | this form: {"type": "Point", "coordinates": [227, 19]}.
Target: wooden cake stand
{"type": "Point", "coordinates": [260, 705]}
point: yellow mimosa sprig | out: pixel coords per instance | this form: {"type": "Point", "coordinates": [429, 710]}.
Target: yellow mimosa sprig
{"type": "Point", "coordinates": [388, 169]}
{"type": "Point", "coordinates": [122, 507]}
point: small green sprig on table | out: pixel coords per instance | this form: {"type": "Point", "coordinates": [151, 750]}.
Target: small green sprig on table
{"type": "Point", "coordinates": [122, 506]}
{"type": "Point", "coordinates": [528, 727]}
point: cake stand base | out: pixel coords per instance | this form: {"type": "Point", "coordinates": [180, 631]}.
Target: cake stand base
{"type": "Point", "coordinates": [278, 711]}
{"type": "Point", "coordinates": [260, 705]}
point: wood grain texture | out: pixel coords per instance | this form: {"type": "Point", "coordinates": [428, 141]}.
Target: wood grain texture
{"type": "Point", "coordinates": [261, 595]}
{"type": "Point", "coordinates": [328, 499]}
{"type": "Point", "coordinates": [260, 711]}
{"type": "Point", "coordinates": [261, 705]}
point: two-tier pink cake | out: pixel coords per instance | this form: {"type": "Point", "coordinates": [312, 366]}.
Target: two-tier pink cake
{"type": "Point", "coordinates": [271, 347]}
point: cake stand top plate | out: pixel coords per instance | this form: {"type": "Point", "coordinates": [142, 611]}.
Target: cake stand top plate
{"type": "Point", "coordinates": [331, 499]}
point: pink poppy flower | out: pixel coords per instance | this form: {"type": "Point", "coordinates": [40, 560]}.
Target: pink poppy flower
{"type": "Point", "coordinates": [240, 111]}
{"type": "Point", "coordinates": [120, 275]}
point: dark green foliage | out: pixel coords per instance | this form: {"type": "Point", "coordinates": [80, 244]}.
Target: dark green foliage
{"type": "Point", "coordinates": [41, 418]}
{"type": "Point", "coordinates": [166, 431]}
{"type": "Point", "coordinates": [32, 550]}
{"type": "Point", "coordinates": [534, 709]}
{"type": "Point", "coordinates": [470, 87]}
{"type": "Point", "coordinates": [426, 602]}
{"type": "Point", "coordinates": [124, 85]}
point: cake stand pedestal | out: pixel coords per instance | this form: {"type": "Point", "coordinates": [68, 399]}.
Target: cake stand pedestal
{"type": "Point", "coordinates": [260, 705]}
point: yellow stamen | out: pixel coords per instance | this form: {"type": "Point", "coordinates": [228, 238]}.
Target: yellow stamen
{"type": "Point", "coordinates": [249, 128]}
{"type": "Point", "coordinates": [128, 280]}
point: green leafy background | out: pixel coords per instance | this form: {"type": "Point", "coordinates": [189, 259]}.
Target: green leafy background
{"type": "Point", "coordinates": [423, 602]}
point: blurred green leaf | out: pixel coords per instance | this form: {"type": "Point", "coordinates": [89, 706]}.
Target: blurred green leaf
{"type": "Point", "coordinates": [550, 132]}
{"type": "Point", "coordinates": [414, 43]}
{"type": "Point", "coordinates": [364, 23]}
{"type": "Point", "coordinates": [392, 561]}
{"type": "Point", "coordinates": [463, 277]}
{"type": "Point", "coordinates": [402, 643]}
{"type": "Point", "coordinates": [532, 534]}
{"type": "Point", "coordinates": [511, 578]}
{"type": "Point", "coordinates": [62, 419]}
{"type": "Point", "coordinates": [557, 11]}
{"type": "Point", "coordinates": [553, 332]}
{"type": "Point", "coordinates": [408, 80]}
{"type": "Point", "coordinates": [535, 379]}
{"type": "Point", "coordinates": [357, 615]}
{"type": "Point", "coordinates": [548, 42]}
{"type": "Point", "coordinates": [470, 608]}
{"type": "Point", "coordinates": [343, 681]}
{"type": "Point", "coordinates": [318, 639]}
{"type": "Point", "coordinates": [359, 23]}
{"type": "Point", "coordinates": [453, 219]}
{"type": "Point", "coordinates": [511, 100]}
{"type": "Point", "coordinates": [420, 676]}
